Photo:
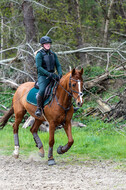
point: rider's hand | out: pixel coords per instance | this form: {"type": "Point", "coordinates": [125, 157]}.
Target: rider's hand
{"type": "Point", "coordinates": [57, 78]}
{"type": "Point", "coordinates": [54, 76]}
{"type": "Point", "coordinates": [60, 76]}
{"type": "Point", "coordinates": [51, 76]}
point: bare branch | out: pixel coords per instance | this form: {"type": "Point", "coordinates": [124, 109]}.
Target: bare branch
{"type": "Point", "coordinates": [22, 72]}
{"type": "Point", "coordinates": [121, 75]}
{"type": "Point", "coordinates": [107, 62]}
{"type": "Point", "coordinates": [12, 83]}
{"type": "Point", "coordinates": [19, 71]}
{"type": "Point", "coordinates": [39, 4]}
{"type": "Point", "coordinates": [17, 48]}
{"type": "Point", "coordinates": [51, 30]}
{"type": "Point", "coordinates": [2, 62]}
{"type": "Point", "coordinates": [30, 48]}
{"type": "Point", "coordinates": [118, 33]}
{"type": "Point", "coordinates": [121, 55]}
{"type": "Point", "coordinates": [15, 2]}
{"type": "Point", "coordinates": [98, 57]}
{"type": "Point", "coordinates": [91, 49]}
{"type": "Point", "coordinates": [107, 100]}
{"type": "Point", "coordinates": [118, 67]}
{"type": "Point", "coordinates": [3, 106]}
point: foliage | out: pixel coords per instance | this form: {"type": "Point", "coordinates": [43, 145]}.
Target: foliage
{"type": "Point", "coordinates": [61, 16]}
{"type": "Point", "coordinates": [97, 140]}
{"type": "Point", "coordinates": [93, 71]}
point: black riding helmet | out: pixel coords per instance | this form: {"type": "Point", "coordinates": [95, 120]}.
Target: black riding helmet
{"type": "Point", "coordinates": [45, 40]}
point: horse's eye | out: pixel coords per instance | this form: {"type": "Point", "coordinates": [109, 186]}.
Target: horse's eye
{"type": "Point", "coordinates": [74, 84]}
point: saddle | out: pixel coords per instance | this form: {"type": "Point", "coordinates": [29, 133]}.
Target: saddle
{"type": "Point", "coordinates": [48, 95]}
{"type": "Point", "coordinates": [47, 90]}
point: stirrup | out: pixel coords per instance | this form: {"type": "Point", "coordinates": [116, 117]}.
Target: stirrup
{"type": "Point", "coordinates": [39, 112]}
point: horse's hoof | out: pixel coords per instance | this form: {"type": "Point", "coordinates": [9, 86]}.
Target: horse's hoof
{"type": "Point", "coordinates": [41, 154]}
{"type": "Point", "coordinates": [51, 162]}
{"type": "Point", "coordinates": [59, 150]}
{"type": "Point", "coordinates": [16, 152]}
{"type": "Point", "coordinates": [16, 156]}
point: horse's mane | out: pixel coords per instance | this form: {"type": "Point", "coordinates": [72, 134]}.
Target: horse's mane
{"type": "Point", "coordinates": [65, 77]}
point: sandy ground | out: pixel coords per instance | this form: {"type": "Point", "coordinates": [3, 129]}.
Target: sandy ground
{"type": "Point", "coordinates": [33, 173]}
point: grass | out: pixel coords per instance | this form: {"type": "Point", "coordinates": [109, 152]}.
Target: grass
{"type": "Point", "coordinates": [96, 141]}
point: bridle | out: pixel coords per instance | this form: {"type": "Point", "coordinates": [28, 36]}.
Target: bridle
{"type": "Point", "coordinates": [70, 94]}
{"type": "Point", "coordinates": [79, 87]}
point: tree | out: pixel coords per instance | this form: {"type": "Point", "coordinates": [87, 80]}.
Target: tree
{"type": "Point", "coordinates": [74, 11]}
{"type": "Point", "coordinates": [31, 35]}
{"type": "Point", "coordinates": [105, 38]}
{"type": "Point", "coordinates": [29, 22]}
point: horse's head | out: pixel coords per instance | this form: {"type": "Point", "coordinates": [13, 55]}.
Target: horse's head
{"type": "Point", "coordinates": [76, 86]}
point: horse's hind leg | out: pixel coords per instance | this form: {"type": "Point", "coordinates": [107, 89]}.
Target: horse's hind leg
{"type": "Point", "coordinates": [51, 160]}
{"type": "Point", "coordinates": [18, 118]}
{"type": "Point", "coordinates": [37, 140]}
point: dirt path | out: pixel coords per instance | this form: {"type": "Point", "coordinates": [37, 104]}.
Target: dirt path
{"type": "Point", "coordinates": [34, 174]}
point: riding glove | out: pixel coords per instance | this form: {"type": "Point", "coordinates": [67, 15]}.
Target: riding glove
{"type": "Point", "coordinates": [54, 76]}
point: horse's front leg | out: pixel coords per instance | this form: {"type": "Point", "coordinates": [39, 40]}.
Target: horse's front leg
{"type": "Point", "coordinates": [51, 160]}
{"type": "Point", "coordinates": [65, 148]}
{"type": "Point", "coordinates": [37, 140]}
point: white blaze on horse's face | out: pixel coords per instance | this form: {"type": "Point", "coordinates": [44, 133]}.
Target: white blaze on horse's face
{"type": "Point", "coordinates": [79, 101]}
{"type": "Point", "coordinates": [80, 93]}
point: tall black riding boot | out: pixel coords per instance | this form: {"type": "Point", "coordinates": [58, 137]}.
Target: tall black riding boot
{"type": "Point", "coordinates": [38, 112]}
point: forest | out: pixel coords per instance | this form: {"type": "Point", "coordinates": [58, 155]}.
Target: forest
{"type": "Point", "coordinates": [88, 34]}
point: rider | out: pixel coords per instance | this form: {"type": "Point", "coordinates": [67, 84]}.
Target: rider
{"type": "Point", "coordinates": [46, 62]}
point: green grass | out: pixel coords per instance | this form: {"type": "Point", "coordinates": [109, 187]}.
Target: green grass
{"type": "Point", "coordinates": [96, 141]}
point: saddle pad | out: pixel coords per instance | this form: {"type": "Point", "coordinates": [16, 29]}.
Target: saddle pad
{"type": "Point", "coordinates": [31, 97]}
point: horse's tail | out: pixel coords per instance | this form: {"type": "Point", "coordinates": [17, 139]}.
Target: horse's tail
{"type": "Point", "coordinates": [7, 115]}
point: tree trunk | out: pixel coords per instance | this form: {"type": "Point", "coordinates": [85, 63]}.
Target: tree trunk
{"type": "Point", "coordinates": [78, 33]}
{"type": "Point", "coordinates": [31, 36]}
{"type": "Point", "coordinates": [105, 38]}
{"type": "Point", "coordinates": [1, 45]}
{"type": "Point", "coordinates": [74, 10]}
{"type": "Point", "coordinates": [29, 21]}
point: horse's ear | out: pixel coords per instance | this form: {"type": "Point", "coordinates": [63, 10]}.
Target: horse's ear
{"type": "Point", "coordinates": [81, 71]}
{"type": "Point", "coordinates": [73, 72]}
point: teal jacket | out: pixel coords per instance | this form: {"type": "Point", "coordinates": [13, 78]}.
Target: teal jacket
{"type": "Point", "coordinates": [43, 72]}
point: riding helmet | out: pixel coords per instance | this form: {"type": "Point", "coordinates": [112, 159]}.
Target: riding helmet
{"type": "Point", "coordinates": [45, 40]}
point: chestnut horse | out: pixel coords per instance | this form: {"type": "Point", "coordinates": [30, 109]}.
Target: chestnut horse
{"type": "Point", "coordinates": [59, 111]}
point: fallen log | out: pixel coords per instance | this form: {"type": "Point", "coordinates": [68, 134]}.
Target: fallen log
{"type": "Point", "coordinates": [103, 107]}
{"type": "Point", "coordinates": [96, 81]}
{"type": "Point", "coordinates": [10, 83]}
{"type": "Point", "coordinates": [30, 121]}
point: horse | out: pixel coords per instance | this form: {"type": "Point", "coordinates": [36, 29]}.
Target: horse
{"type": "Point", "coordinates": [57, 112]}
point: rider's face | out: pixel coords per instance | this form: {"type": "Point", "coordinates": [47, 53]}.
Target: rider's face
{"type": "Point", "coordinates": [47, 46]}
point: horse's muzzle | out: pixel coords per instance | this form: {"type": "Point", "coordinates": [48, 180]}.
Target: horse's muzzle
{"type": "Point", "coordinates": [79, 101]}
